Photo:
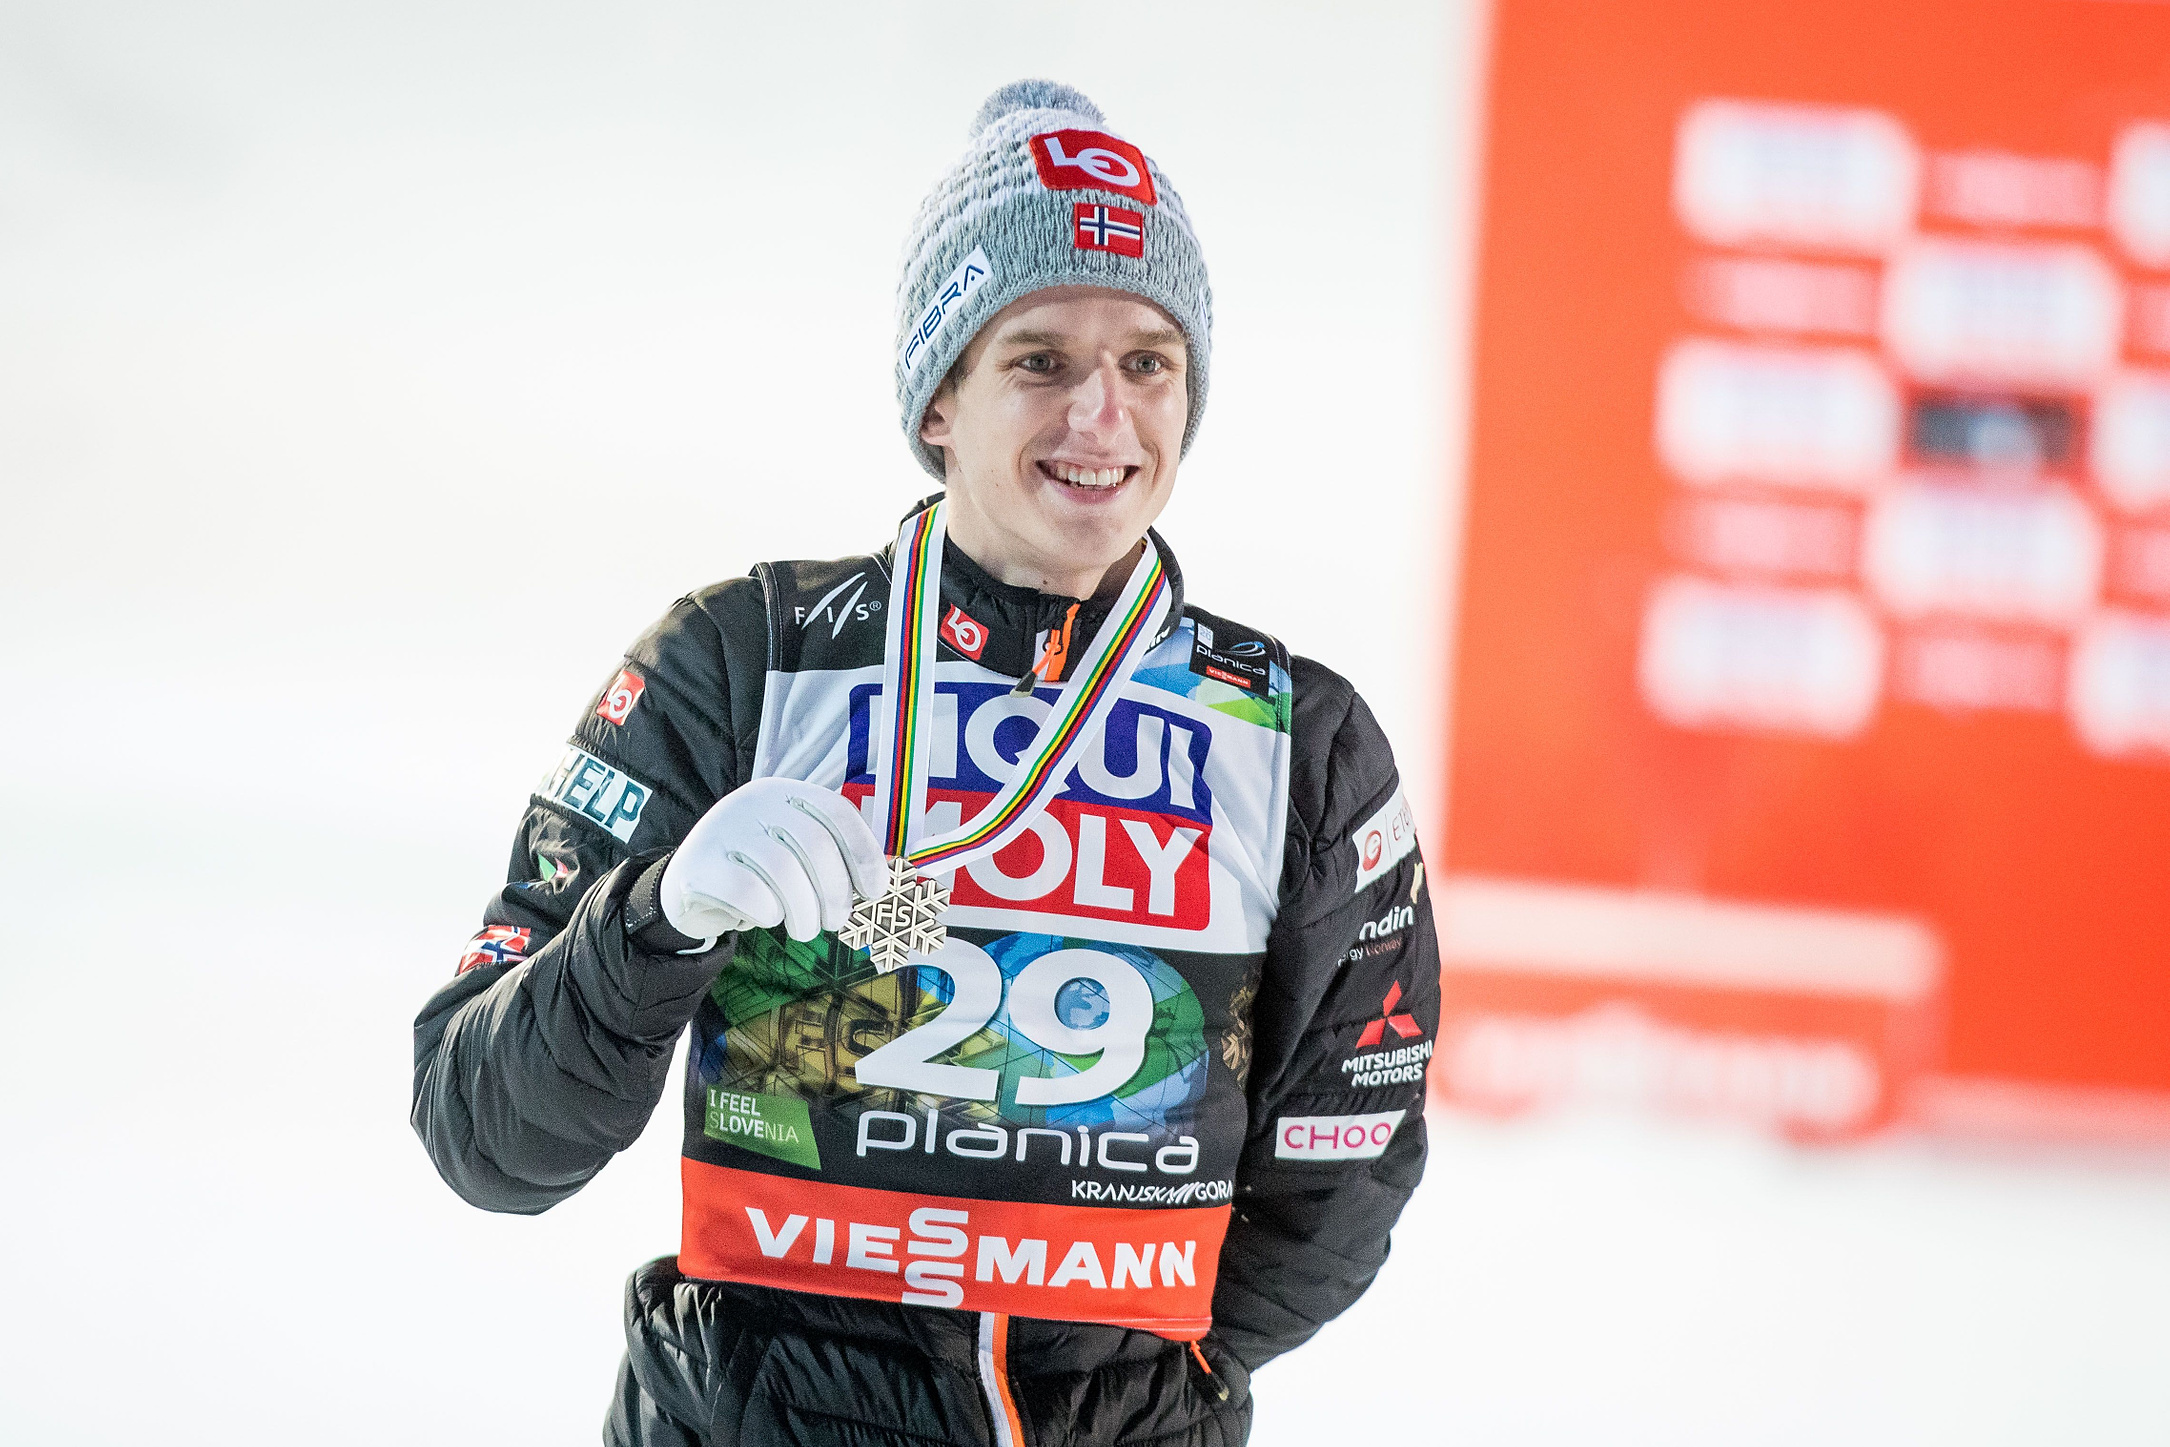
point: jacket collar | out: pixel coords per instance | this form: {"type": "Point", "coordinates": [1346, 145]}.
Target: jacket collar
{"type": "Point", "coordinates": [1015, 618]}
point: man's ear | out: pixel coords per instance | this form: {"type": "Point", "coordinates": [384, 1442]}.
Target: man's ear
{"type": "Point", "coordinates": [934, 428]}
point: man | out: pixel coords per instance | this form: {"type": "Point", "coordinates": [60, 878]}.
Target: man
{"type": "Point", "coordinates": [1056, 956]}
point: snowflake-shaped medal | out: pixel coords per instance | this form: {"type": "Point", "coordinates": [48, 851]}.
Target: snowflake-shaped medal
{"type": "Point", "coordinates": [902, 922]}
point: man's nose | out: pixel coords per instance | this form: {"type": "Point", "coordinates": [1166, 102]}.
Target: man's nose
{"type": "Point", "coordinates": [1096, 404]}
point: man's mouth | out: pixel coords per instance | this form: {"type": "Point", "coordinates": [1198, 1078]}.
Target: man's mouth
{"type": "Point", "coordinates": [1094, 479]}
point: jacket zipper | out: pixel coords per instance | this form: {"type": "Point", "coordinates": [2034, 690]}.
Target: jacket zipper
{"type": "Point", "coordinates": [1048, 667]}
{"type": "Point", "coordinates": [1213, 1381]}
{"type": "Point", "coordinates": [994, 1372]}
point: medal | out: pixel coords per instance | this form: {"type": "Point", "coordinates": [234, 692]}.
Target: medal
{"type": "Point", "coordinates": [904, 921]}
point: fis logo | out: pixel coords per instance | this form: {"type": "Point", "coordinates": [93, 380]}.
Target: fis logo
{"type": "Point", "coordinates": [1129, 838]}
{"type": "Point", "coordinates": [844, 604]}
{"type": "Point", "coordinates": [596, 792]}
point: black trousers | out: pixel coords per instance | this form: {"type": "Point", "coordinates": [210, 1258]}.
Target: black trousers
{"type": "Point", "coordinates": [716, 1364]}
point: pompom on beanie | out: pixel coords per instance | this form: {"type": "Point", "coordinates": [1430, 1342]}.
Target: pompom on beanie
{"type": "Point", "coordinates": [1045, 195]}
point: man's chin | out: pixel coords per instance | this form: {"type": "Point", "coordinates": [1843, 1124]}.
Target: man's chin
{"type": "Point", "coordinates": [1060, 537]}
{"type": "Point", "coordinates": [1088, 558]}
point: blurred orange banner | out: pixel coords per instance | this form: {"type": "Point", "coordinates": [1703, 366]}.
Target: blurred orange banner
{"type": "Point", "coordinates": [1810, 756]}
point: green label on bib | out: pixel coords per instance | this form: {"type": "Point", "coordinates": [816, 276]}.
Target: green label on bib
{"type": "Point", "coordinates": [772, 1125]}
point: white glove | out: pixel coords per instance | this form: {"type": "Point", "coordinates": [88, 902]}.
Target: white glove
{"type": "Point", "coordinates": [775, 851]}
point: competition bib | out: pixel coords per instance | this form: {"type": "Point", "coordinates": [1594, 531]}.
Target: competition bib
{"type": "Point", "coordinates": [1014, 1084]}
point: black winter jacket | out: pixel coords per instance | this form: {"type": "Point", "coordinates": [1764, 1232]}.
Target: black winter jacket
{"type": "Point", "coordinates": [1279, 1095]}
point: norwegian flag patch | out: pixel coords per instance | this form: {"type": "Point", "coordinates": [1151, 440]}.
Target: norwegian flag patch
{"type": "Point", "coordinates": [1108, 228]}
{"type": "Point", "coordinates": [500, 944]}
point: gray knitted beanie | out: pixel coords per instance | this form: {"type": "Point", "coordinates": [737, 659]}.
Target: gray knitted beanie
{"type": "Point", "coordinates": [1044, 196]}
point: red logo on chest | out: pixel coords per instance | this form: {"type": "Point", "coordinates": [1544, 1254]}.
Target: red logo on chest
{"type": "Point", "coordinates": [964, 633]}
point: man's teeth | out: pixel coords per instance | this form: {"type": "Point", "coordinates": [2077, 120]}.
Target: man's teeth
{"type": "Point", "coordinates": [1087, 476]}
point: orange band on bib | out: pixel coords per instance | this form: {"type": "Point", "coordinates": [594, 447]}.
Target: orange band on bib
{"type": "Point", "coordinates": [1152, 1270]}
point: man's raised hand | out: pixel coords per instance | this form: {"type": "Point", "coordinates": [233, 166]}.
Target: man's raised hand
{"type": "Point", "coordinates": [774, 851]}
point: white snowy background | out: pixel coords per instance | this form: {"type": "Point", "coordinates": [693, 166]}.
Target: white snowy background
{"type": "Point", "coordinates": [370, 374]}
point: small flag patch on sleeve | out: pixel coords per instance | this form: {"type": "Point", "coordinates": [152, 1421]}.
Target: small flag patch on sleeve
{"type": "Point", "coordinates": [500, 944]}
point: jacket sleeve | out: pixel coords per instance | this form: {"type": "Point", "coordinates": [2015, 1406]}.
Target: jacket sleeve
{"type": "Point", "coordinates": [1347, 1008]}
{"type": "Point", "coordinates": [548, 1050]}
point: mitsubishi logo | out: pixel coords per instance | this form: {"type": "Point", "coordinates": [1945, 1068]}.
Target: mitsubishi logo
{"type": "Point", "coordinates": [1405, 1026]}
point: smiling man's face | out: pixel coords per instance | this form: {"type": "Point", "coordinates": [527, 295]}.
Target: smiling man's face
{"type": "Point", "coordinates": [1060, 433]}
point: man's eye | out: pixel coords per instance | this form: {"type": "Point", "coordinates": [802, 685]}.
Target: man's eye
{"type": "Point", "coordinates": [1148, 364]}
{"type": "Point", "coordinates": [1037, 362]}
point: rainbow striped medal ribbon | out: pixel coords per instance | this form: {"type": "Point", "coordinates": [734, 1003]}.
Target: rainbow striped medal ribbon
{"type": "Point", "coordinates": [904, 921]}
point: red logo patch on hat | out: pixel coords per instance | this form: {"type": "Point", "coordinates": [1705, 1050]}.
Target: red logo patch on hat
{"type": "Point", "coordinates": [1092, 160]}
{"type": "Point", "coordinates": [1108, 228]}
{"type": "Point", "coordinates": [964, 633]}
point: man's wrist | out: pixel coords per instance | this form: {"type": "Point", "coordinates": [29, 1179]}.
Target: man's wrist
{"type": "Point", "coordinates": [646, 926]}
